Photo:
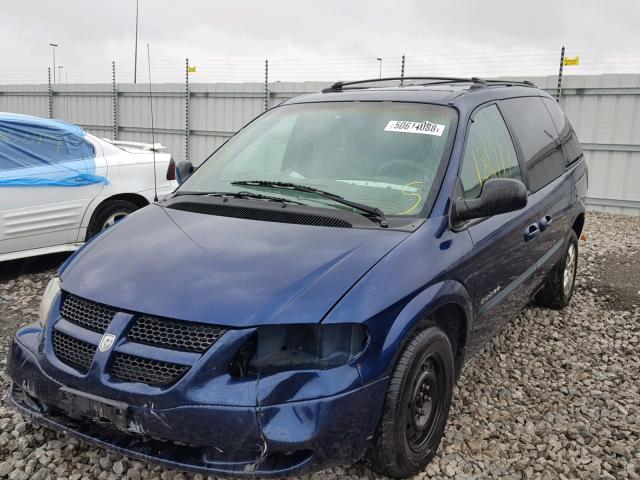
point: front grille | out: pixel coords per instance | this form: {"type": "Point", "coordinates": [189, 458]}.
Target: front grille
{"type": "Point", "coordinates": [73, 352]}
{"type": "Point", "coordinates": [159, 332]}
{"type": "Point", "coordinates": [278, 215]}
{"type": "Point", "coordinates": [85, 313]}
{"type": "Point", "coordinates": [128, 368]}
{"type": "Point", "coordinates": [174, 334]}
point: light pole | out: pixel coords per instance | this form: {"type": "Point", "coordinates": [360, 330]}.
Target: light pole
{"type": "Point", "coordinates": [380, 60]}
{"type": "Point", "coordinates": [66, 103]}
{"type": "Point", "coordinates": [60, 67]}
{"type": "Point", "coordinates": [53, 49]}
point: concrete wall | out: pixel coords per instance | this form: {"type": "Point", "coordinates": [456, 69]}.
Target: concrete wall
{"type": "Point", "coordinates": [604, 109]}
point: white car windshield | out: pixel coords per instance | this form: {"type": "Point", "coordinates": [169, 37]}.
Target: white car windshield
{"type": "Point", "coordinates": [382, 154]}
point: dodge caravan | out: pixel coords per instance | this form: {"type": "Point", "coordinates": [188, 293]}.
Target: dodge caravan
{"type": "Point", "coordinates": [309, 294]}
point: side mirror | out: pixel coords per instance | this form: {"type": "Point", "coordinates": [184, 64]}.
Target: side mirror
{"type": "Point", "coordinates": [499, 195]}
{"type": "Point", "coordinates": [183, 171]}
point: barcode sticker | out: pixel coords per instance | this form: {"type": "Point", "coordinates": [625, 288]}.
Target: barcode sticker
{"type": "Point", "coordinates": [424, 128]}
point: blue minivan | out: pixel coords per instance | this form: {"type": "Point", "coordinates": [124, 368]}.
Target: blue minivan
{"type": "Point", "coordinates": [309, 294]}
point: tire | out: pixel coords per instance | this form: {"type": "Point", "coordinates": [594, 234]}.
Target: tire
{"type": "Point", "coordinates": [108, 214]}
{"type": "Point", "coordinates": [416, 406]}
{"type": "Point", "coordinates": [556, 292]}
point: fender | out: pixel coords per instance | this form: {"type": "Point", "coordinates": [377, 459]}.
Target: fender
{"type": "Point", "coordinates": [394, 326]}
{"type": "Point", "coordinates": [405, 286]}
{"type": "Point", "coordinates": [418, 309]}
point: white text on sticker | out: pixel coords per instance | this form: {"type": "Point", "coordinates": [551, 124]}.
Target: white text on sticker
{"type": "Point", "coordinates": [425, 128]}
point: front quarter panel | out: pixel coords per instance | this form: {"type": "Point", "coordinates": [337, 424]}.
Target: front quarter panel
{"type": "Point", "coordinates": [413, 280]}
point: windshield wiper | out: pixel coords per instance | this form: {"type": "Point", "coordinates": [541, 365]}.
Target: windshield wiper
{"type": "Point", "coordinates": [240, 195]}
{"type": "Point", "coordinates": [376, 212]}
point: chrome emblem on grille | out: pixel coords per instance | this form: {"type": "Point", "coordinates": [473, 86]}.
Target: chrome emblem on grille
{"type": "Point", "coordinates": [106, 342]}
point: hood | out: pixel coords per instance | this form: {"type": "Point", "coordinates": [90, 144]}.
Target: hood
{"type": "Point", "coordinates": [224, 271]}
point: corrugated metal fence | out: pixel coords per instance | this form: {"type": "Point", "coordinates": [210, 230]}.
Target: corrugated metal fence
{"type": "Point", "coordinates": [604, 109]}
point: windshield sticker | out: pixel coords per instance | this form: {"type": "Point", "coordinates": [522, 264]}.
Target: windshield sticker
{"type": "Point", "coordinates": [424, 128]}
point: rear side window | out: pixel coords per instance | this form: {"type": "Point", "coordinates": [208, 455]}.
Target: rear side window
{"type": "Point", "coordinates": [538, 139]}
{"type": "Point", "coordinates": [568, 137]}
{"type": "Point", "coordinates": [489, 152]}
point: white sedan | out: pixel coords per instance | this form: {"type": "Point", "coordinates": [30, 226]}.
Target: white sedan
{"type": "Point", "coordinates": [59, 185]}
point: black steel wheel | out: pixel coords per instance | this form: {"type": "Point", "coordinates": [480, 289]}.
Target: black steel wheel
{"type": "Point", "coordinates": [426, 400]}
{"type": "Point", "coordinates": [416, 406]}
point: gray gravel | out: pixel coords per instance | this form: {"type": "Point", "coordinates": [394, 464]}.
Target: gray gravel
{"type": "Point", "coordinates": [555, 395]}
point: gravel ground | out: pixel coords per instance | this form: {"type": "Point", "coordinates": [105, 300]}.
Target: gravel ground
{"type": "Point", "coordinates": [555, 395]}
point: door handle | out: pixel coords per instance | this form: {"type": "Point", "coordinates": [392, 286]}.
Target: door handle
{"type": "Point", "coordinates": [531, 232]}
{"type": "Point", "coordinates": [545, 222]}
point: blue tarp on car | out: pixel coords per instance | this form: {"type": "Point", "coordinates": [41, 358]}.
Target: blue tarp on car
{"type": "Point", "coordinates": [37, 151]}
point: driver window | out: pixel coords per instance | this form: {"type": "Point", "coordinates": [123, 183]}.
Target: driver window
{"type": "Point", "coordinates": [489, 152]}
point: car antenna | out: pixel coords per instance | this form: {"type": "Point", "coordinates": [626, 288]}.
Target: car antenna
{"type": "Point", "coordinates": [153, 135]}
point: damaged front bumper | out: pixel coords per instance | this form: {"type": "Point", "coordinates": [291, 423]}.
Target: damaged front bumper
{"type": "Point", "coordinates": [266, 440]}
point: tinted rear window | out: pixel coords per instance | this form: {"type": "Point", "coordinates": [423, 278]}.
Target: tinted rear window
{"type": "Point", "coordinates": [538, 139]}
{"type": "Point", "coordinates": [568, 137]}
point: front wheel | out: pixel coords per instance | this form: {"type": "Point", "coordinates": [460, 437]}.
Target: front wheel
{"type": "Point", "coordinates": [416, 406]}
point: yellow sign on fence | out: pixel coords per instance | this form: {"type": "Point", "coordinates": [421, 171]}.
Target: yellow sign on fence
{"type": "Point", "coordinates": [192, 69]}
{"type": "Point", "coordinates": [572, 61]}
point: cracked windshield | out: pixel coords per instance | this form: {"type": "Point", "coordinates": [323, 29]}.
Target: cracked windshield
{"type": "Point", "coordinates": [382, 154]}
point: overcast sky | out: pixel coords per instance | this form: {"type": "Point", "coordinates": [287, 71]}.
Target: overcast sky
{"type": "Point", "coordinates": [229, 40]}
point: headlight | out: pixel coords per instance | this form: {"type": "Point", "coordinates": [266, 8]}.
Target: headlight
{"type": "Point", "coordinates": [276, 348]}
{"type": "Point", "coordinates": [49, 295]}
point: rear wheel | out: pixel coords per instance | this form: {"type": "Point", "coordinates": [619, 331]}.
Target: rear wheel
{"type": "Point", "coordinates": [416, 406]}
{"type": "Point", "coordinates": [108, 214]}
{"type": "Point", "coordinates": [558, 288]}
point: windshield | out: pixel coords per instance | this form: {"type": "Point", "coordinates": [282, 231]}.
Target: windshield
{"type": "Point", "coordinates": [382, 154]}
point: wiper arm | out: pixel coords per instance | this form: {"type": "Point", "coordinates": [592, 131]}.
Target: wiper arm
{"type": "Point", "coordinates": [240, 195]}
{"type": "Point", "coordinates": [379, 214]}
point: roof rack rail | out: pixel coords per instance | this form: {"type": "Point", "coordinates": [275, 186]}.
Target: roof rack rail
{"type": "Point", "coordinates": [338, 86]}
{"type": "Point", "coordinates": [498, 81]}
{"type": "Point", "coordinates": [475, 81]}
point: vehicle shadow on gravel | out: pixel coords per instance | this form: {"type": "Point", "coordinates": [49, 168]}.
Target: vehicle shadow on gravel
{"type": "Point", "coordinates": [27, 266]}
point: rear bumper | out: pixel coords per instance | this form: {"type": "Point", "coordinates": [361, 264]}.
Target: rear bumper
{"type": "Point", "coordinates": [272, 440]}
